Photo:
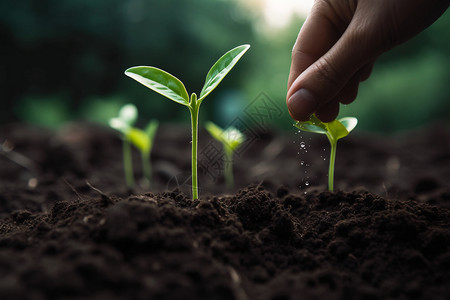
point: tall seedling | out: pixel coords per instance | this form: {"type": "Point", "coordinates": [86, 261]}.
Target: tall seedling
{"type": "Point", "coordinates": [172, 88]}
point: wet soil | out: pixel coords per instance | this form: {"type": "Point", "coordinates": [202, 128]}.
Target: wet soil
{"type": "Point", "coordinates": [71, 229]}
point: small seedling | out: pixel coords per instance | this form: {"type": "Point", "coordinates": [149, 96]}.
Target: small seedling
{"type": "Point", "coordinates": [334, 131]}
{"type": "Point", "coordinates": [126, 119]}
{"type": "Point", "coordinates": [171, 87]}
{"type": "Point", "coordinates": [141, 139]}
{"type": "Point", "coordinates": [231, 138]}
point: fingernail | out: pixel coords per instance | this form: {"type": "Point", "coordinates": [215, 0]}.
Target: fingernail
{"type": "Point", "coordinates": [302, 105]}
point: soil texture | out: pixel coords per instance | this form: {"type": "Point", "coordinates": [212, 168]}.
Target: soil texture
{"type": "Point", "coordinates": [71, 229]}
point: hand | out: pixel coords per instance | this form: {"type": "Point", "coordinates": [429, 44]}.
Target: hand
{"type": "Point", "coordinates": [339, 43]}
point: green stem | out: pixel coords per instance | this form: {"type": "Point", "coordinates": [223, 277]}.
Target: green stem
{"type": "Point", "coordinates": [194, 108]}
{"type": "Point", "coordinates": [128, 163]}
{"type": "Point", "coordinates": [331, 168]}
{"type": "Point", "coordinates": [228, 172]}
{"type": "Point", "coordinates": [146, 167]}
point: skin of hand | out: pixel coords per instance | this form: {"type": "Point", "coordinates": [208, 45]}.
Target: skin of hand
{"type": "Point", "coordinates": [339, 43]}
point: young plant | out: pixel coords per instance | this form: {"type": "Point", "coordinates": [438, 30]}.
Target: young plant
{"type": "Point", "coordinates": [334, 131]}
{"type": "Point", "coordinates": [123, 123]}
{"type": "Point", "coordinates": [141, 139]}
{"type": "Point", "coordinates": [231, 138]}
{"type": "Point", "coordinates": [172, 88]}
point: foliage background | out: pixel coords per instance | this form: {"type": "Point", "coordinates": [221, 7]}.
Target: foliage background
{"type": "Point", "coordinates": [63, 60]}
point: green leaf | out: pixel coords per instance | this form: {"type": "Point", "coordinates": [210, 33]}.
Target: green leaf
{"type": "Point", "coordinates": [139, 139]}
{"type": "Point", "coordinates": [230, 138]}
{"type": "Point", "coordinates": [127, 117]}
{"type": "Point", "coordinates": [221, 68]}
{"type": "Point", "coordinates": [128, 113]}
{"type": "Point", "coordinates": [215, 131]}
{"type": "Point", "coordinates": [233, 137]}
{"type": "Point", "coordinates": [349, 123]}
{"type": "Point", "coordinates": [312, 125]}
{"type": "Point", "coordinates": [151, 128]}
{"type": "Point", "coordinates": [119, 124]}
{"type": "Point", "coordinates": [161, 82]}
{"type": "Point", "coordinates": [336, 130]}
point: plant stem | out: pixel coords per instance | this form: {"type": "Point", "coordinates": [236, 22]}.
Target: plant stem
{"type": "Point", "coordinates": [331, 168]}
{"type": "Point", "coordinates": [194, 108]}
{"type": "Point", "coordinates": [228, 172]}
{"type": "Point", "coordinates": [146, 167]}
{"type": "Point", "coordinates": [128, 163]}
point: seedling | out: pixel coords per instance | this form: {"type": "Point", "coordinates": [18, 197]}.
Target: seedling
{"type": "Point", "coordinates": [141, 139]}
{"type": "Point", "coordinates": [231, 138]}
{"type": "Point", "coordinates": [171, 87]}
{"type": "Point", "coordinates": [334, 131]}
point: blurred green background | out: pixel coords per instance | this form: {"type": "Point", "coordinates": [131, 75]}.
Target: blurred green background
{"type": "Point", "coordinates": [63, 60]}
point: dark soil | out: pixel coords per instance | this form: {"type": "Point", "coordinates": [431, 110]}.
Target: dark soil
{"type": "Point", "coordinates": [71, 229]}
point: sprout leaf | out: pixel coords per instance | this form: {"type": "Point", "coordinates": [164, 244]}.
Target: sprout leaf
{"type": "Point", "coordinates": [221, 68]}
{"type": "Point", "coordinates": [139, 139]}
{"type": "Point", "coordinates": [161, 82]}
{"type": "Point", "coordinates": [349, 123]}
{"type": "Point", "coordinates": [151, 128]}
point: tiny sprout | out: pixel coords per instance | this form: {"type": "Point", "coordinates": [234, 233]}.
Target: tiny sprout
{"type": "Point", "coordinates": [334, 131]}
{"type": "Point", "coordinates": [231, 138]}
{"type": "Point", "coordinates": [141, 139]}
{"type": "Point", "coordinates": [171, 87]}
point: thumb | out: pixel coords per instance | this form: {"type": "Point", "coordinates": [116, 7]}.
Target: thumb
{"type": "Point", "coordinates": [318, 87]}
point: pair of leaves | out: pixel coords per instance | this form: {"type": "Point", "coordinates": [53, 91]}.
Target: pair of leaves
{"type": "Point", "coordinates": [231, 137]}
{"type": "Point", "coordinates": [171, 87]}
{"type": "Point", "coordinates": [142, 139]}
{"type": "Point", "coordinates": [334, 130]}
{"type": "Point", "coordinates": [125, 120]}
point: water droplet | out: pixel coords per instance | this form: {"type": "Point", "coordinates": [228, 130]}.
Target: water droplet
{"type": "Point", "coordinates": [302, 145]}
{"type": "Point", "coordinates": [306, 183]}
{"type": "Point", "coordinates": [32, 183]}
{"type": "Point", "coordinates": [302, 162]}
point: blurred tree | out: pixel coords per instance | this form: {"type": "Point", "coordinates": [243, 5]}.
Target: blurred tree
{"type": "Point", "coordinates": [74, 52]}
{"type": "Point", "coordinates": [81, 47]}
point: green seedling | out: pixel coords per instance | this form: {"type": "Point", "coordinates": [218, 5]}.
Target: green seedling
{"type": "Point", "coordinates": [334, 131]}
{"type": "Point", "coordinates": [231, 138]}
{"type": "Point", "coordinates": [126, 119]}
{"type": "Point", "coordinates": [141, 139]}
{"type": "Point", "coordinates": [171, 87]}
